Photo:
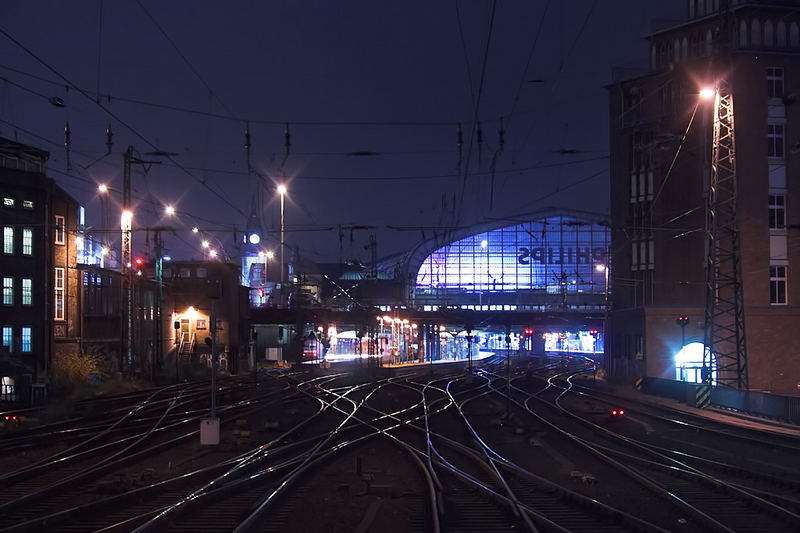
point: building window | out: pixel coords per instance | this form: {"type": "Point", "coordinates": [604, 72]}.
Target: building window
{"type": "Point", "coordinates": [777, 211]}
{"type": "Point", "coordinates": [777, 285]}
{"type": "Point", "coordinates": [185, 273]}
{"type": "Point", "coordinates": [201, 272]}
{"type": "Point", "coordinates": [27, 204]}
{"type": "Point", "coordinates": [8, 202]}
{"type": "Point", "coordinates": [59, 293]}
{"type": "Point", "coordinates": [26, 338]}
{"type": "Point", "coordinates": [780, 32]}
{"type": "Point", "coordinates": [8, 291]}
{"type": "Point", "coordinates": [59, 229]}
{"type": "Point", "coordinates": [775, 140]}
{"type": "Point", "coordinates": [775, 82]}
{"type": "Point", "coordinates": [8, 240]}
{"type": "Point", "coordinates": [27, 241]}
{"type": "Point", "coordinates": [7, 336]}
{"type": "Point", "coordinates": [27, 291]}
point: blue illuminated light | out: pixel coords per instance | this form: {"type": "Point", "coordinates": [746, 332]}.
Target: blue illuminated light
{"type": "Point", "coordinates": [546, 255]}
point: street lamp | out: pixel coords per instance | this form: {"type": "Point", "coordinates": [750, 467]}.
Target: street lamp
{"type": "Point", "coordinates": [282, 192]}
{"type": "Point", "coordinates": [605, 269]}
{"type": "Point", "coordinates": [169, 210]}
{"type": "Point", "coordinates": [265, 256]}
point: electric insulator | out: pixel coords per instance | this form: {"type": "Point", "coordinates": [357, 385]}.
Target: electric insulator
{"type": "Point", "coordinates": [109, 139]}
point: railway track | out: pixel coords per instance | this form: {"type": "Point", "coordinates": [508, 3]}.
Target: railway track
{"type": "Point", "coordinates": [416, 451]}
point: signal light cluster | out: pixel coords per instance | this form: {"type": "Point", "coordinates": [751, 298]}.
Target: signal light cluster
{"type": "Point", "coordinates": [617, 412]}
{"type": "Point", "coordinates": [528, 332]}
{"type": "Point", "coordinates": [682, 320]}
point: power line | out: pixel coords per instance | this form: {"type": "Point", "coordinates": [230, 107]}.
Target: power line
{"type": "Point", "coordinates": [117, 118]}
{"type": "Point", "coordinates": [260, 121]}
{"type": "Point", "coordinates": [476, 109]}
{"type": "Point", "coordinates": [185, 60]}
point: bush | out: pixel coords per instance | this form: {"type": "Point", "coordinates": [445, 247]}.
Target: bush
{"type": "Point", "coordinates": [70, 370]}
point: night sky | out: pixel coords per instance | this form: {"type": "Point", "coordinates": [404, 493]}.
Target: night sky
{"type": "Point", "coordinates": [373, 93]}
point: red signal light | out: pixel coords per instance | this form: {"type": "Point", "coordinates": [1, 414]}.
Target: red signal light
{"type": "Point", "coordinates": [621, 412]}
{"type": "Point", "coordinates": [139, 261]}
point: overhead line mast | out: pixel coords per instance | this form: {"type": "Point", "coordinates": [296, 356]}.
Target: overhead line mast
{"type": "Point", "coordinates": [725, 354]}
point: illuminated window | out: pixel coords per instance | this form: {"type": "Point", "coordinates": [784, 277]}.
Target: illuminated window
{"type": "Point", "coordinates": [27, 291]}
{"type": "Point", "coordinates": [8, 202]}
{"type": "Point", "coordinates": [27, 241]}
{"type": "Point", "coordinates": [201, 272]}
{"type": "Point", "coordinates": [774, 82]}
{"type": "Point", "coordinates": [8, 291]}
{"type": "Point", "coordinates": [774, 140]}
{"type": "Point", "coordinates": [7, 336]}
{"type": "Point", "coordinates": [59, 230]}
{"type": "Point", "coordinates": [26, 338]}
{"type": "Point", "coordinates": [27, 204]}
{"type": "Point", "coordinates": [777, 211]}
{"type": "Point", "coordinates": [8, 240]}
{"type": "Point", "coordinates": [59, 293]}
{"type": "Point", "coordinates": [777, 285]}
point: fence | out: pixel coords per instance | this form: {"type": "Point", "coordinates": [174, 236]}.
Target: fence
{"type": "Point", "coordinates": [759, 403]}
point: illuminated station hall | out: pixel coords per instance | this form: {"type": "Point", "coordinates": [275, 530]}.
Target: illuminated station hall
{"type": "Point", "coordinates": [533, 284]}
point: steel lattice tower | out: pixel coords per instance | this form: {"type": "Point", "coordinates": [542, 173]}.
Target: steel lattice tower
{"type": "Point", "coordinates": [724, 313]}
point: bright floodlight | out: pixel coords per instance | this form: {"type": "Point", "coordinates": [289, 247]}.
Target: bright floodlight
{"type": "Point", "coordinates": [213, 253]}
{"type": "Point", "coordinates": [281, 189]}
{"type": "Point", "coordinates": [600, 267]}
{"type": "Point", "coordinates": [205, 244]}
{"type": "Point", "coordinates": [707, 93]}
{"type": "Point", "coordinates": [126, 219]}
{"type": "Point", "coordinates": [170, 210]}
{"type": "Point", "coordinates": [195, 229]}
{"type": "Point", "coordinates": [104, 250]}
{"type": "Point", "coordinates": [255, 238]}
{"type": "Point", "coordinates": [102, 187]}
{"type": "Point", "coordinates": [484, 243]}
{"type": "Point", "coordinates": [270, 255]}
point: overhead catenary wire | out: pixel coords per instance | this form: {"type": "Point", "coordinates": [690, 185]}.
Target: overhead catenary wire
{"type": "Point", "coordinates": [130, 128]}
{"type": "Point", "coordinates": [184, 58]}
{"type": "Point", "coordinates": [476, 111]}
{"type": "Point", "coordinates": [109, 98]}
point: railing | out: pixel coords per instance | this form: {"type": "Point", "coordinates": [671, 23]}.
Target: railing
{"type": "Point", "coordinates": [759, 403]}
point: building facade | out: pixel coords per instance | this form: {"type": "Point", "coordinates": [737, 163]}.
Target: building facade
{"type": "Point", "coordinates": [195, 293]}
{"type": "Point", "coordinates": [39, 312]}
{"type": "Point", "coordinates": [661, 146]}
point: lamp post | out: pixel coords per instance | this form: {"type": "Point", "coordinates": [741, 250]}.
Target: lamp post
{"type": "Point", "coordinates": [102, 190]}
{"type": "Point", "coordinates": [469, 348]}
{"type": "Point", "coordinates": [282, 192]}
{"type": "Point", "coordinates": [508, 371]}
{"type": "Point", "coordinates": [605, 269]}
{"type": "Point", "coordinates": [265, 255]}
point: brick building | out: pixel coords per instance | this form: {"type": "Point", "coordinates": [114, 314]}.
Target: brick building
{"type": "Point", "coordinates": [191, 290]}
{"type": "Point", "coordinates": [661, 135]}
{"type": "Point", "coordinates": [39, 308]}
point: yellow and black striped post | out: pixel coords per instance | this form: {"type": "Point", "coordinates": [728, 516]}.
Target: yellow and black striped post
{"type": "Point", "coordinates": [637, 383]}
{"type": "Point", "coordinates": [703, 395]}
